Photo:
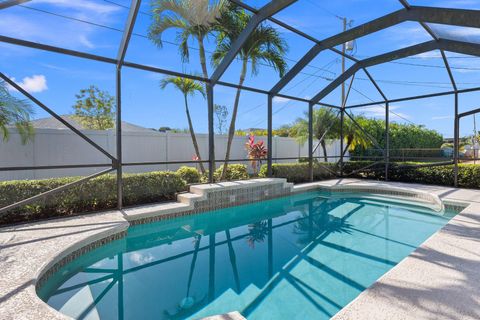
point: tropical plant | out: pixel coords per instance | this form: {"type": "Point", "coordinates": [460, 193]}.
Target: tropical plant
{"type": "Point", "coordinates": [221, 112]}
{"type": "Point", "coordinates": [16, 112]}
{"type": "Point", "coordinates": [264, 44]}
{"type": "Point", "coordinates": [94, 109]}
{"type": "Point", "coordinates": [353, 136]}
{"type": "Point", "coordinates": [187, 87]}
{"type": "Point", "coordinates": [193, 19]}
{"type": "Point", "coordinates": [256, 152]}
{"type": "Point", "coordinates": [325, 126]}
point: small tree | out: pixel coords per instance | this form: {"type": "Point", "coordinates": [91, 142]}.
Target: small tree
{"type": "Point", "coordinates": [221, 112]}
{"type": "Point", "coordinates": [94, 109]}
{"type": "Point", "coordinates": [187, 87]}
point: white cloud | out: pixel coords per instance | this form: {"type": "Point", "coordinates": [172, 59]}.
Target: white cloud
{"type": "Point", "coordinates": [442, 117]}
{"type": "Point", "coordinates": [84, 40]}
{"type": "Point", "coordinates": [34, 84]}
{"type": "Point", "coordinates": [379, 112]}
{"type": "Point", "coordinates": [34, 26]}
{"type": "Point", "coordinates": [139, 258]}
{"type": "Point", "coordinates": [280, 100]}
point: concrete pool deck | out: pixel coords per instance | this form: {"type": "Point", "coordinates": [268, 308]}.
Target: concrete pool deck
{"type": "Point", "coordinates": [439, 280]}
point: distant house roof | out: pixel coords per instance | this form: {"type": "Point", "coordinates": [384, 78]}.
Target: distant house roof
{"type": "Point", "coordinates": [52, 123]}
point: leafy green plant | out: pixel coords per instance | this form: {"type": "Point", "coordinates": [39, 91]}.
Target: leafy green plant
{"type": "Point", "coordinates": [189, 174]}
{"type": "Point", "coordinates": [193, 20]}
{"type": "Point", "coordinates": [256, 153]}
{"type": "Point", "coordinates": [16, 112]}
{"type": "Point", "coordinates": [234, 172]}
{"type": "Point", "coordinates": [300, 172]}
{"type": "Point", "coordinates": [94, 109]}
{"type": "Point", "coordinates": [93, 195]}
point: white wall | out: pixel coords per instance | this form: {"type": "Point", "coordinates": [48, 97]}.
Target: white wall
{"type": "Point", "coordinates": [63, 147]}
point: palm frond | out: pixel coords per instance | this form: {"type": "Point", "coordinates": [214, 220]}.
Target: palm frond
{"type": "Point", "coordinates": [15, 112]}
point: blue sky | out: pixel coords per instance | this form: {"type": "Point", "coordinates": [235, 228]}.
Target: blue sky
{"type": "Point", "coordinates": [55, 79]}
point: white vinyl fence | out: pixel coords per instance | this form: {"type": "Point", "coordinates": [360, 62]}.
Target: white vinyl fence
{"type": "Point", "coordinates": [63, 147]}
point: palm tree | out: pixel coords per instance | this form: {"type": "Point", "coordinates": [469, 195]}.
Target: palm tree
{"type": "Point", "coordinates": [325, 126]}
{"type": "Point", "coordinates": [264, 44]}
{"type": "Point", "coordinates": [187, 87]}
{"type": "Point", "coordinates": [194, 19]}
{"type": "Point", "coordinates": [14, 111]}
{"type": "Point", "coordinates": [353, 136]}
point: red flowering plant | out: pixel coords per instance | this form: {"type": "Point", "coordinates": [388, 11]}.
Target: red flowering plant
{"type": "Point", "coordinates": [256, 152]}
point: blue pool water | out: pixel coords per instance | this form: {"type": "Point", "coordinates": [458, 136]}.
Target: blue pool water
{"type": "Point", "coordinates": [301, 257]}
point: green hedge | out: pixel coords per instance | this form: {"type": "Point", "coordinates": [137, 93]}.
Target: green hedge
{"type": "Point", "coordinates": [96, 194]}
{"type": "Point", "coordinates": [468, 174]}
{"type": "Point", "coordinates": [299, 172]}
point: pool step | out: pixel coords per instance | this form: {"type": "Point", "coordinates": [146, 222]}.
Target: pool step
{"type": "Point", "coordinates": [230, 298]}
{"type": "Point", "coordinates": [213, 196]}
{"type": "Point", "coordinates": [235, 192]}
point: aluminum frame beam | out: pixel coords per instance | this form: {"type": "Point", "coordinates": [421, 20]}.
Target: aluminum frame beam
{"type": "Point", "coordinates": [10, 3]}
{"type": "Point", "coordinates": [442, 44]}
{"type": "Point", "coordinates": [458, 17]}
{"type": "Point", "coordinates": [88, 56]}
{"type": "Point", "coordinates": [266, 11]}
{"type": "Point", "coordinates": [468, 113]}
{"type": "Point", "coordinates": [122, 51]}
{"type": "Point", "coordinates": [424, 96]}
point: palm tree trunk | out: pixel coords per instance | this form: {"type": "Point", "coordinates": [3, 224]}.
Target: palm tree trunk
{"type": "Point", "coordinates": [192, 134]}
{"type": "Point", "coordinates": [203, 59]}
{"type": "Point", "coordinates": [324, 148]}
{"type": "Point", "coordinates": [346, 149]}
{"type": "Point", "coordinates": [231, 129]}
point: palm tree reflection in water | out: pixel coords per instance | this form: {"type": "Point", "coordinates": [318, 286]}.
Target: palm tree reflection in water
{"type": "Point", "coordinates": [257, 232]}
{"type": "Point", "coordinates": [318, 221]}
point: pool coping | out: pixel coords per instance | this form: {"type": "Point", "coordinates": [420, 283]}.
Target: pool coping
{"type": "Point", "coordinates": [29, 251]}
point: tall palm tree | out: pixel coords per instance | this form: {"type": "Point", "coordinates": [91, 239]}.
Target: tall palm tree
{"type": "Point", "coordinates": [194, 19]}
{"type": "Point", "coordinates": [264, 44]}
{"type": "Point", "coordinates": [14, 111]}
{"type": "Point", "coordinates": [187, 87]}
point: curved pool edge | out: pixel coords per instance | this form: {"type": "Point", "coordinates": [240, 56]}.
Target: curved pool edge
{"type": "Point", "coordinates": [32, 254]}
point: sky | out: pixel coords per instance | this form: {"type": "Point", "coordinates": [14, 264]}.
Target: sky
{"type": "Point", "coordinates": [95, 26]}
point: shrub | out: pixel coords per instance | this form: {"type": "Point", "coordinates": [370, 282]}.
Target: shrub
{"type": "Point", "coordinates": [96, 194]}
{"type": "Point", "coordinates": [234, 172]}
{"type": "Point", "coordinates": [189, 174]}
{"type": "Point", "coordinates": [299, 172]}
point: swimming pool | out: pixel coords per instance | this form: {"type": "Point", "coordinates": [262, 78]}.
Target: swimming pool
{"type": "Point", "coordinates": [299, 257]}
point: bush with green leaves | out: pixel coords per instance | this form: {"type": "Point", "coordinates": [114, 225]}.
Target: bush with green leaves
{"type": "Point", "coordinates": [93, 195]}
{"type": "Point", "coordinates": [299, 172]}
{"type": "Point", "coordinates": [234, 172]}
{"type": "Point", "coordinates": [189, 174]}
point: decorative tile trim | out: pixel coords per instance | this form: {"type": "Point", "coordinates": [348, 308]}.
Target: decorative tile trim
{"type": "Point", "coordinates": [419, 196]}
{"type": "Point", "coordinates": [223, 198]}
{"type": "Point", "coordinates": [75, 254]}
